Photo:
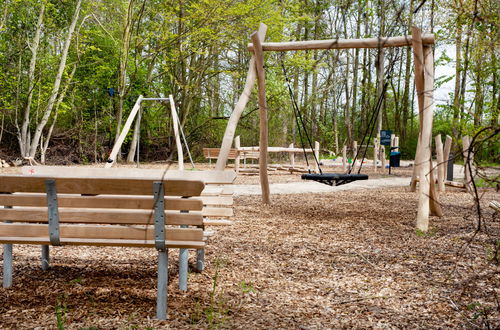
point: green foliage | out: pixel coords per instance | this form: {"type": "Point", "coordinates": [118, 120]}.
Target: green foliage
{"type": "Point", "coordinates": [217, 311]}
{"type": "Point", "coordinates": [430, 233]}
{"type": "Point", "coordinates": [61, 311]}
{"type": "Point", "coordinates": [247, 287]}
{"type": "Point", "coordinates": [197, 51]}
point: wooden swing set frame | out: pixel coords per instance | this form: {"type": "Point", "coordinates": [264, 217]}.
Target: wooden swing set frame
{"type": "Point", "coordinates": [421, 44]}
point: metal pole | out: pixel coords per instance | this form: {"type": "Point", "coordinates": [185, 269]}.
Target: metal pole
{"type": "Point", "coordinates": [161, 299]}
{"type": "Point", "coordinates": [7, 261]}
{"type": "Point", "coordinates": [200, 259]}
{"type": "Point", "coordinates": [45, 257]}
{"type": "Point", "coordinates": [183, 267]}
{"type": "Point", "coordinates": [7, 265]}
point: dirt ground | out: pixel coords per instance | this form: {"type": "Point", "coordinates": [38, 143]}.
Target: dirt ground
{"type": "Point", "coordinates": [349, 259]}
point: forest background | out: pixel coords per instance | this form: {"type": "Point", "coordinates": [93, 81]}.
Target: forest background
{"type": "Point", "coordinates": [71, 70]}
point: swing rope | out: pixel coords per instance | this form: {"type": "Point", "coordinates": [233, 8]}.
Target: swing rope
{"type": "Point", "coordinates": [300, 121]}
{"type": "Point", "coordinates": [372, 122]}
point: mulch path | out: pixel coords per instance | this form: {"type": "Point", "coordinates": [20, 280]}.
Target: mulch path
{"type": "Point", "coordinates": [350, 259]}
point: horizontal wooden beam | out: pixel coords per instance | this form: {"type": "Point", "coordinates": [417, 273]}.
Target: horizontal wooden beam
{"type": "Point", "coordinates": [274, 149]}
{"type": "Point", "coordinates": [105, 216]}
{"type": "Point", "coordinates": [99, 185]}
{"type": "Point", "coordinates": [217, 212]}
{"type": "Point", "coordinates": [102, 242]}
{"type": "Point", "coordinates": [101, 232]}
{"type": "Point", "coordinates": [384, 42]}
{"type": "Point", "coordinates": [102, 201]}
{"type": "Point", "coordinates": [208, 177]}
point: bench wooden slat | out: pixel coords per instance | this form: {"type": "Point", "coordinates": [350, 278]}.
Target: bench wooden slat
{"type": "Point", "coordinates": [217, 191]}
{"type": "Point", "coordinates": [217, 200]}
{"type": "Point", "coordinates": [100, 232]}
{"type": "Point", "coordinates": [99, 185]}
{"type": "Point", "coordinates": [217, 212]}
{"type": "Point", "coordinates": [102, 242]}
{"type": "Point", "coordinates": [209, 177]}
{"type": "Point", "coordinates": [101, 201]}
{"type": "Point", "coordinates": [217, 222]}
{"type": "Point", "coordinates": [106, 216]}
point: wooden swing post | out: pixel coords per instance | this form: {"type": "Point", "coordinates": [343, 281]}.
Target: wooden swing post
{"type": "Point", "coordinates": [263, 141]}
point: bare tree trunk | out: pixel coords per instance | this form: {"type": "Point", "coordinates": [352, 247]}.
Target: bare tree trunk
{"type": "Point", "coordinates": [24, 139]}
{"type": "Point", "coordinates": [406, 92]}
{"type": "Point", "coordinates": [355, 73]}
{"type": "Point", "coordinates": [55, 90]}
{"type": "Point", "coordinates": [1, 127]}
{"type": "Point", "coordinates": [347, 108]}
{"type": "Point", "coordinates": [3, 18]}
{"type": "Point", "coordinates": [494, 90]}
{"type": "Point", "coordinates": [380, 65]}
{"type": "Point", "coordinates": [479, 97]}
{"type": "Point", "coordinates": [45, 142]}
{"type": "Point", "coordinates": [456, 98]}
{"type": "Point", "coordinates": [122, 74]}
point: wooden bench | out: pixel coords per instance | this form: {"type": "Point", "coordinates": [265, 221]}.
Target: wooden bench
{"type": "Point", "coordinates": [217, 197]}
{"type": "Point", "coordinates": [101, 211]}
{"type": "Point", "coordinates": [213, 153]}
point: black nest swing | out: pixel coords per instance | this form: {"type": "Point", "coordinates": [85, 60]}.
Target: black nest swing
{"type": "Point", "coordinates": [332, 179]}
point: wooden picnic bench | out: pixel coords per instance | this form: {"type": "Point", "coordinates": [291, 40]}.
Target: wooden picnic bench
{"type": "Point", "coordinates": [217, 197]}
{"type": "Point", "coordinates": [101, 211]}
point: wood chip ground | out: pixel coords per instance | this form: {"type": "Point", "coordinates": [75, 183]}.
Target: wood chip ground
{"type": "Point", "coordinates": [349, 259]}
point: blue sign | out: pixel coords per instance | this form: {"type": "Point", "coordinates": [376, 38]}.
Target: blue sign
{"type": "Point", "coordinates": [385, 137]}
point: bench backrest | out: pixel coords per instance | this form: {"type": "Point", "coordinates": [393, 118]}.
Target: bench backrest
{"type": "Point", "coordinates": [217, 198]}
{"type": "Point", "coordinates": [214, 153]}
{"type": "Point", "coordinates": [208, 177]}
{"type": "Point", "coordinates": [115, 211]}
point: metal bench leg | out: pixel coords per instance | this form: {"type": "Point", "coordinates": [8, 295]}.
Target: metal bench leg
{"type": "Point", "coordinates": [183, 269]}
{"type": "Point", "coordinates": [7, 265]}
{"type": "Point", "coordinates": [200, 259]}
{"type": "Point", "coordinates": [45, 257]}
{"type": "Point", "coordinates": [161, 299]}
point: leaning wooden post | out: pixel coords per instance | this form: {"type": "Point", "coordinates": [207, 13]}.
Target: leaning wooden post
{"type": "Point", "coordinates": [292, 156]}
{"type": "Point", "coordinates": [418, 61]}
{"type": "Point", "coordinates": [118, 144]}
{"type": "Point", "coordinates": [446, 155]}
{"type": "Point", "coordinates": [263, 141]}
{"type": "Point", "coordinates": [441, 164]}
{"type": "Point", "coordinates": [428, 198]}
{"type": "Point", "coordinates": [316, 154]}
{"type": "Point", "coordinates": [175, 120]}
{"type": "Point", "coordinates": [344, 158]}
{"type": "Point", "coordinates": [238, 157]}
{"type": "Point", "coordinates": [227, 140]}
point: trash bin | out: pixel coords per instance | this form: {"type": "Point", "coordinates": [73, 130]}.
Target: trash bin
{"type": "Point", "coordinates": [394, 159]}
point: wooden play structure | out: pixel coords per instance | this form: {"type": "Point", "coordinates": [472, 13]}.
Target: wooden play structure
{"type": "Point", "coordinates": [424, 81]}
{"type": "Point", "coordinates": [239, 153]}
{"type": "Point", "coordinates": [132, 116]}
